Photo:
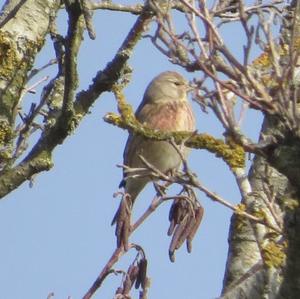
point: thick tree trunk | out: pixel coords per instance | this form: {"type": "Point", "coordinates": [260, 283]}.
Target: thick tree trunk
{"type": "Point", "coordinates": [24, 25]}
{"type": "Point", "coordinates": [23, 28]}
{"type": "Point", "coordinates": [255, 261]}
{"type": "Point", "coordinates": [262, 263]}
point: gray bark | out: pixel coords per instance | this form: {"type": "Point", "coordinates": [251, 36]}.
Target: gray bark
{"type": "Point", "coordinates": [261, 263]}
{"type": "Point", "coordinates": [24, 26]}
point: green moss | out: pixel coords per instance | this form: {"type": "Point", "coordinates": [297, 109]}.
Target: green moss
{"type": "Point", "coordinates": [240, 209]}
{"type": "Point", "coordinates": [14, 68]}
{"type": "Point", "coordinates": [8, 56]}
{"type": "Point", "coordinates": [240, 221]}
{"type": "Point", "coordinates": [125, 110]}
{"type": "Point", "coordinates": [261, 214]}
{"type": "Point", "coordinates": [264, 65]}
{"type": "Point", "coordinates": [232, 153]}
{"type": "Point", "coordinates": [5, 133]}
{"type": "Point", "coordinates": [274, 254]}
{"type": "Point", "coordinates": [9, 60]}
{"type": "Point", "coordinates": [42, 162]}
{"type": "Point", "coordinates": [264, 61]}
{"type": "Point", "coordinates": [290, 204]}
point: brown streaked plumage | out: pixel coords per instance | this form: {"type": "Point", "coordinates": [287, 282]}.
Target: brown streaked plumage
{"type": "Point", "coordinates": [164, 107]}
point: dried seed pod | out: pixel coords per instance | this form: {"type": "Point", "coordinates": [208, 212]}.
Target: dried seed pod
{"type": "Point", "coordinates": [122, 219]}
{"type": "Point", "coordinates": [127, 284]}
{"type": "Point", "coordinates": [173, 214]}
{"type": "Point", "coordinates": [177, 233]}
{"type": "Point", "coordinates": [172, 256]}
{"type": "Point", "coordinates": [185, 231]}
{"type": "Point", "coordinates": [119, 290]}
{"type": "Point", "coordinates": [171, 228]}
{"type": "Point", "coordinates": [120, 212]}
{"type": "Point", "coordinates": [125, 233]}
{"type": "Point", "coordinates": [176, 214]}
{"type": "Point", "coordinates": [197, 220]}
{"type": "Point", "coordinates": [133, 273]}
{"type": "Point", "coordinates": [142, 274]}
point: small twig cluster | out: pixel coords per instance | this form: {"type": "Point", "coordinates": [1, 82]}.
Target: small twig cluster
{"type": "Point", "coordinates": [185, 217]}
{"type": "Point", "coordinates": [228, 82]}
{"type": "Point", "coordinates": [135, 276]}
{"type": "Point", "coordinates": [59, 110]}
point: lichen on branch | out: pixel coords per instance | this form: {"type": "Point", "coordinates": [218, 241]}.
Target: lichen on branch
{"type": "Point", "coordinates": [231, 153]}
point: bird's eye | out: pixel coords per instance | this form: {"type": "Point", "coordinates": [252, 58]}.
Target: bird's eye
{"type": "Point", "coordinates": [177, 83]}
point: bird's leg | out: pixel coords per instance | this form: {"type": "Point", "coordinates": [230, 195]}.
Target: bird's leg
{"type": "Point", "coordinates": [161, 188]}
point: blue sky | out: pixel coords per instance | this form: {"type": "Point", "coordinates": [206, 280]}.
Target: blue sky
{"type": "Point", "coordinates": [56, 236]}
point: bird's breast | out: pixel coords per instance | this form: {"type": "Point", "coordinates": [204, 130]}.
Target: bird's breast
{"type": "Point", "coordinates": [173, 116]}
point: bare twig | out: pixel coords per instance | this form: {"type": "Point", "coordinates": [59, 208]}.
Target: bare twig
{"type": "Point", "coordinates": [109, 5]}
{"type": "Point", "coordinates": [88, 18]}
{"type": "Point", "coordinates": [37, 70]}
{"type": "Point", "coordinates": [106, 271]}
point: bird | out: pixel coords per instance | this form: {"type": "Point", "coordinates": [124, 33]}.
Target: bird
{"type": "Point", "coordinates": [164, 107]}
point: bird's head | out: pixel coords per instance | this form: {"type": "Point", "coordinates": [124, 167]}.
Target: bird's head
{"type": "Point", "coordinates": [167, 86]}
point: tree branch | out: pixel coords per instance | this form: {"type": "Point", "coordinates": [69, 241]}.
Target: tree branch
{"type": "Point", "coordinates": [39, 158]}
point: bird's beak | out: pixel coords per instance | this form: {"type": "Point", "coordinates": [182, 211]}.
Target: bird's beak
{"type": "Point", "coordinates": [190, 87]}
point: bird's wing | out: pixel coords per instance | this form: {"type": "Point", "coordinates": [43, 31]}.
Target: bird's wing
{"type": "Point", "coordinates": [165, 116]}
